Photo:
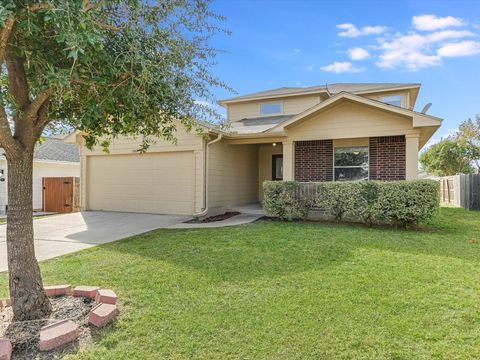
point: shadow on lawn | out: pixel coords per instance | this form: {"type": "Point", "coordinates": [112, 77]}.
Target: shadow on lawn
{"type": "Point", "coordinates": [271, 249]}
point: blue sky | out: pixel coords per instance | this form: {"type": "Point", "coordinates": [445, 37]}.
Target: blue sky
{"type": "Point", "coordinates": [306, 43]}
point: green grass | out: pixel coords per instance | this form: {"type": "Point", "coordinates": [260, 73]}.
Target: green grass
{"type": "Point", "coordinates": [3, 221]}
{"type": "Point", "coordinates": [274, 290]}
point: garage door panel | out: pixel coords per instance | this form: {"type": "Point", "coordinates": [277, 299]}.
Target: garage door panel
{"type": "Point", "coordinates": [151, 183]}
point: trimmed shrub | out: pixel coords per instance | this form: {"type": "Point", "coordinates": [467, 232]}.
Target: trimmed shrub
{"type": "Point", "coordinates": [337, 199]}
{"type": "Point", "coordinates": [402, 203]}
{"type": "Point", "coordinates": [280, 199]}
{"type": "Point", "coordinates": [407, 203]}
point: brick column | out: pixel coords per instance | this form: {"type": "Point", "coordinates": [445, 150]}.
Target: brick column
{"type": "Point", "coordinates": [411, 156]}
{"type": "Point", "coordinates": [288, 160]}
{"type": "Point", "coordinates": [387, 158]}
{"type": "Point", "coordinates": [314, 160]}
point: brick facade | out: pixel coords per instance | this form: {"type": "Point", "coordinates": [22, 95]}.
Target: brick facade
{"type": "Point", "coordinates": [314, 160]}
{"type": "Point", "coordinates": [387, 158]}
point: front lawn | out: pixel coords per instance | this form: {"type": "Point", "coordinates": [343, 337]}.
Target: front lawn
{"type": "Point", "coordinates": [274, 290]}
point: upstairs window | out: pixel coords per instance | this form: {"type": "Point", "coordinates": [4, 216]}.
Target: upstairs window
{"type": "Point", "coordinates": [392, 100]}
{"type": "Point", "coordinates": [270, 108]}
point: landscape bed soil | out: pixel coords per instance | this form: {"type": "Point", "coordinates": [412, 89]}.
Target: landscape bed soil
{"type": "Point", "coordinates": [215, 218]}
{"type": "Point", "coordinates": [25, 335]}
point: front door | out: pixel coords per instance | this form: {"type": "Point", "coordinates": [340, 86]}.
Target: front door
{"type": "Point", "coordinates": [277, 167]}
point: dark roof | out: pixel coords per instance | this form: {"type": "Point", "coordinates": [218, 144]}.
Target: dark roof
{"type": "Point", "coordinates": [54, 149]}
{"type": "Point", "coordinates": [332, 88]}
{"type": "Point", "coordinates": [258, 124]}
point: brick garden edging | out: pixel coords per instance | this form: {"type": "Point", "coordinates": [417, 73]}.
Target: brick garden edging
{"type": "Point", "coordinates": [65, 331]}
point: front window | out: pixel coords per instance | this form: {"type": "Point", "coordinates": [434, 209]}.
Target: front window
{"type": "Point", "coordinates": [351, 163]}
{"type": "Point", "coordinates": [392, 100]}
{"type": "Point", "coordinates": [270, 108]}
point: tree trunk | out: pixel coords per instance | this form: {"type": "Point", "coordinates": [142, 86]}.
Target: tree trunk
{"type": "Point", "coordinates": [26, 287]}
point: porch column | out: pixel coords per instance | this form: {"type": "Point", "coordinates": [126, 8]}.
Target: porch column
{"type": "Point", "coordinates": [411, 156]}
{"type": "Point", "coordinates": [288, 160]}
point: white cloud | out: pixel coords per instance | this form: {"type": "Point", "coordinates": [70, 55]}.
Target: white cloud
{"type": "Point", "coordinates": [350, 30]}
{"type": "Point", "coordinates": [415, 51]}
{"type": "Point", "coordinates": [309, 67]}
{"type": "Point", "coordinates": [341, 67]}
{"type": "Point", "coordinates": [434, 22]}
{"type": "Point", "coordinates": [297, 50]}
{"type": "Point", "coordinates": [463, 48]}
{"type": "Point", "coordinates": [358, 53]}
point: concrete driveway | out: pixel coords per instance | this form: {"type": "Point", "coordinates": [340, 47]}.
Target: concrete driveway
{"type": "Point", "coordinates": [63, 234]}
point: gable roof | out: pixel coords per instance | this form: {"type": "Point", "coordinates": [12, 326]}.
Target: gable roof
{"type": "Point", "coordinates": [329, 89]}
{"type": "Point", "coordinates": [429, 120]}
{"type": "Point", "coordinates": [54, 149]}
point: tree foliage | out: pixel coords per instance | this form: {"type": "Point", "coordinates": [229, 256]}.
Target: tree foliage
{"type": "Point", "coordinates": [469, 130]}
{"type": "Point", "coordinates": [111, 68]}
{"type": "Point", "coordinates": [105, 68]}
{"type": "Point", "coordinates": [449, 157]}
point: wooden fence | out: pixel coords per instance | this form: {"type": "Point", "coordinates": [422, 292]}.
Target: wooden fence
{"type": "Point", "coordinates": [461, 190]}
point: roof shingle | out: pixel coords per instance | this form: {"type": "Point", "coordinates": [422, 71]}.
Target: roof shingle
{"type": "Point", "coordinates": [54, 149]}
{"type": "Point", "coordinates": [332, 88]}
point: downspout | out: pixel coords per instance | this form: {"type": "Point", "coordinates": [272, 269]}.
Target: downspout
{"type": "Point", "coordinates": [205, 178]}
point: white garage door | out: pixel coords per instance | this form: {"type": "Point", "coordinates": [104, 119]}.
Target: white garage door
{"type": "Point", "coordinates": [161, 183]}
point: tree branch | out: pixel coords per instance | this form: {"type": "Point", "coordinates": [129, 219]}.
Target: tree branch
{"type": "Point", "coordinates": [17, 80]}
{"type": "Point", "coordinates": [40, 6]}
{"type": "Point", "coordinates": [7, 141]}
{"type": "Point", "coordinates": [33, 109]}
{"type": "Point", "coordinates": [4, 35]}
{"type": "Point", "coordinates": [42, 120]}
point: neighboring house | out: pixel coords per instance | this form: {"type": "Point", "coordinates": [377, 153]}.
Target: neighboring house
{"type": "Point", "coordinates": [324, 133]}
{"type": "Point", "coordinates": [52, 158]}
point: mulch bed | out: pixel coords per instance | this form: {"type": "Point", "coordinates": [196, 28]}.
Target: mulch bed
{"type": "Point", "coordinates": [221, 217]}
{"type": "Point", "coordinates": [25, 335]}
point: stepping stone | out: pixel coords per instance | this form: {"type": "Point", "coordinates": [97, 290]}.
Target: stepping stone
{"type": "Point", "coordinates": [5, 349]}
{"type": "Point", "coordinates": [58, 290]}
{"type": "Point", "coordinates": [101, 314]}
{"type": "Point", "coordinates": [58, 334]}
{"type": "Point", "coordinates": [86, 291]}
{"type": "Point", "coordinates": [106, 296]}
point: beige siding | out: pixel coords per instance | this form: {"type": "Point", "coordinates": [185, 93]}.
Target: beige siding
{"type": "Point", "coordinates": [350, 142]}
{"type": "Point", "coordinates": [293, 105]}
{"type": "Point", "coordinates": [128, 145]}
{"type": "Point", "coordinates": [232, 175]}
{"type": "Point", "coordinates": [149, 183]}
{"type": "Point", "coordinates": [265, 153]}
{"type": "Point", "coordinates": [351, 120]}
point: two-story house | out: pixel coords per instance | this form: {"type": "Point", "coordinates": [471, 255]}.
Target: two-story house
{"type": "Point", "coordinates": [337, 132]}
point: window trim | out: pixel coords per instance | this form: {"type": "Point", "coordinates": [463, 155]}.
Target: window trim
{"type": "Point", "coordinates": [401, 96]}
{"type": "Point", "coordinates": [270, 102]}
{"type": "Point", "coordinates": [350, 166]}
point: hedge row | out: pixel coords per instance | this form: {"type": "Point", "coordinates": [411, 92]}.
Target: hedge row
{"type": "Point", "coordinates": [397, 202]}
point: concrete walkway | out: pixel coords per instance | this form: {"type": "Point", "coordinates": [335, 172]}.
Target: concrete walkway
{"type": "Point", "coordinates": [58, 235]}
{"type": "Point", "coordinates": [233, 221]}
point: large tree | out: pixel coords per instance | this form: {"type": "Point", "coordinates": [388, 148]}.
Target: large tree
{"type": "Point", "coordinates": [106, 68]}
{"type": "Point", "coordinates": [469, 130]}
{"type": "Point", "coordinates": [449, 157]}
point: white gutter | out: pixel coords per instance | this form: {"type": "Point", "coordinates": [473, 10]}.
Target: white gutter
{"type": "Point", "coordinates": [205, 178]}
